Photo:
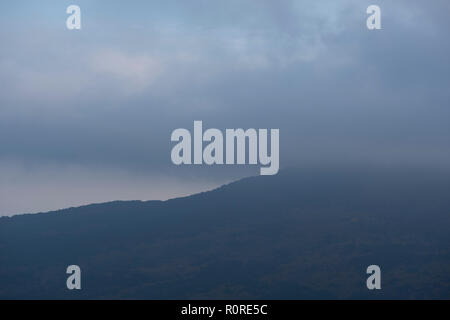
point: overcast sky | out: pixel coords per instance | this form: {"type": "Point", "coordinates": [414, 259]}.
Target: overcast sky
{"type": "Point", "coordinates": [86, 116]}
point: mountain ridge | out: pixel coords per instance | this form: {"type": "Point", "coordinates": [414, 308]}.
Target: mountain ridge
{"type": "Point", "coordinates": [299, 234]}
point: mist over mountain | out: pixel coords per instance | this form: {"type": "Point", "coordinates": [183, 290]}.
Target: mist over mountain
{"type": "Point", "coordinates": [299, 234]}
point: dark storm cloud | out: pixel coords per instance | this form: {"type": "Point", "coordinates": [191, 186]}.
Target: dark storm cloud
{"type": "Point", "coordinates": [110, 95]}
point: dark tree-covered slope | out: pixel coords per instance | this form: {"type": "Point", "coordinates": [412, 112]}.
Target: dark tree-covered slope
{"type": "Point", "coordinates": [299, 234]}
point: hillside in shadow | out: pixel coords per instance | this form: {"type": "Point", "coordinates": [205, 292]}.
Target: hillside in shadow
{"type": "Point", "coordinates": [299, 234]}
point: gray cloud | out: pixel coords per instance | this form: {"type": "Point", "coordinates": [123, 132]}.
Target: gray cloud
{"type": "Point", "coordinates": [110, 95]}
